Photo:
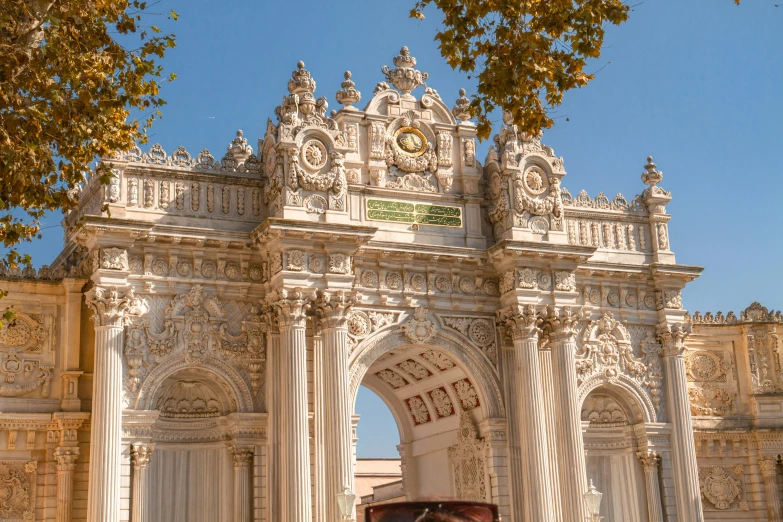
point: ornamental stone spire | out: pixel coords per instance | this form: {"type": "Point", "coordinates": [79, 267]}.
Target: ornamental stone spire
{"type": "Point", "coordinates": [404, 76]}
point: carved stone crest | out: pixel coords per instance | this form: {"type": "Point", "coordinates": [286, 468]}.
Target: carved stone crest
{"type": "Point", "coordinates": [419, 329]}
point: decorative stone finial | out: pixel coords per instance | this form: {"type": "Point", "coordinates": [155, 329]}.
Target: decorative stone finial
{"type": "Point", "coordinates": [348, 95]}
{"type": "Point", "coordinates": [239, 148]}
{"type": "Point", "coordinates": [461, 109]}
{"type": "Point", "coordinates": [651, 176]}
{"type": "Point", "coordinates": [300, 81]}
{"type": "Point", "coordinates": [404, 77]}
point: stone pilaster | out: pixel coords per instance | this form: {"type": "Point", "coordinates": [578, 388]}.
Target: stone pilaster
{"type": "Point", "coordinates": [295, 503]}
{"type": "Point", "coordinates": [523, 323]}
{"type": "Point", "coordinates": [66, 464]}
{"type": "Point", "coordinates": [243, 460]}
{"type": "Point", "coordinates": [769, 473]}
{"type": "Point", "coordinates": [562, 329]}
{"type": "Point", "coordinates": [140, 460]}
{"type": "Point", "coordinates": [332, 309]}
{"type": "Point", "coordinates": [684, 465]}
{"type": "Point", "coordinates": [109, 305]}
{"type": "Point", "coordinates": [650, 460]}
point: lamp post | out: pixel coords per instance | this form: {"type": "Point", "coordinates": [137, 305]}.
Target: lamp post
{"type": "Point", "coordinates": [593, 501]}
{"type": "Point", "coordinates": [345, 501]}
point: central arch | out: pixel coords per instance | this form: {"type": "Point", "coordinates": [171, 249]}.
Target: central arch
{"type": "Point", "coordinates": [432, 390]}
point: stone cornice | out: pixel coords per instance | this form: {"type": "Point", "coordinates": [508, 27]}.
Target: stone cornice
{"type": "Point", "coordinates": [331, 232]}
{"type": "Point", "coordinates": [540, 251]}
{"type": "Point", "coordinates": [665, 273]}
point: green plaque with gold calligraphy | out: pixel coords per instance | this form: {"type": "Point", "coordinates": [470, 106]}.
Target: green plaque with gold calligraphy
{"type": "Point", "coordinates": [413, 213]}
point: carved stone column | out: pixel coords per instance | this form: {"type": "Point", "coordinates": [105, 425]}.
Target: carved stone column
{"type": "Point", "coordinates": [140, 459]}
{"type": "Point", "coordinates": [523, 324]}
{"type": "Point", "coordinates": [650, 460]}
{"type": "Point", "coordinates": [291, 307]}
{"type": "Point", "coordinates": [243, 458]}
{"type": "Point", "coordinates": [274, 412]}
{"type": "Point", "coordinates": [562, 329]}
{"type": "Point", "coordinates": [769, 472]}
{"type": "Point", "coordinates": [684, 465]}
{"type": "Point", "coordinates": [332, 309]}
{"type": "Point", "coordinates": [66, 464]}
{"type": "Point", "coordinates": [109, 305]}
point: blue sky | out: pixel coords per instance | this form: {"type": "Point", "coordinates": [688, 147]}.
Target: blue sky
{"type": "Point", "coordinates": [696, 84]}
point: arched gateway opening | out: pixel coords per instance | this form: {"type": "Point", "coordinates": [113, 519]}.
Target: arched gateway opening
{"type": "Point", "coordinates": [444, 396]}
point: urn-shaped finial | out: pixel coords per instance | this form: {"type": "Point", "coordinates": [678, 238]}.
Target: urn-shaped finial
{"type": "Point", "coordinates": [404, 77]}
{"type": "Point", "coordinates": [348, 95]}
{"type": "Point", "coordinates": [461, 108]}
{"type": "Point", "coordinates": [651, 176]}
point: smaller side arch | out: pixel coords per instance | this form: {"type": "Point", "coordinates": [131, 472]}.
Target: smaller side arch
{"type": "Point", "coordinates": [626, 388]}
{"type": "Point", "coordinates": [239, 389]}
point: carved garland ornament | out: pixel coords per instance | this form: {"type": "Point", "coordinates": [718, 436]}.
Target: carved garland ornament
{"type": "Point", "coordinates": [606, 351]}
{"type": "Point", "coordinates": [195, 327]}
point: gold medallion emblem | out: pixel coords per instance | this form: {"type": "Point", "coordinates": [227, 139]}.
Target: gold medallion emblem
{"type": "Point", "coordinates": [410, 141]}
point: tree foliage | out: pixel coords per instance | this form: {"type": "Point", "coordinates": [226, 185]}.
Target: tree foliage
{"type": "Point", "coordinates": [525, 53]}
{"type": "Point", "coordinates": [71, 72]}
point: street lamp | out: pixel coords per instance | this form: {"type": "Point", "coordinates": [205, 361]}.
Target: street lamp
{"type": "Point", "coordinates": [593, 500]}
{"type": "Point", "coordinates": [345, 501]}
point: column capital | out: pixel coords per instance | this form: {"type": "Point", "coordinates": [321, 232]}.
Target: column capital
{"type": "Point", "coordinates": [522, 321]}
{"type": "Point", "coordinates": [141, 454]}
{"type": "Point", "coordinates": [291, 306]}
{"type": "Point", "coordinates": [562, 324]}
{"type": "Point", "coordinates": [111, 305]}
{"type": "Point", "coordinates": [768, 466]}
{"type": "Point", "coordinates": [672, 338]}
{"type": "Point", "coordinates": [242, 455]}
{"type": "Point", "coordinates": [649, 459]}
{"type": "Point", "coordinates": [66, 458]}
{"type": "Point", "coordinates": [332, 308]}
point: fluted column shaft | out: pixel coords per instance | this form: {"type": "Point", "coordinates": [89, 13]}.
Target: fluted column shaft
{"type": "Point", "coordinates": [649, 462]}
{"type": "Point", "coordinates": [548, 381]}
{"type": "Point", "coordinates": [274, 492]}
{"type": "Point", "coordinates": [339, 468]}
{"type": "Point", "coordinates": [684, 465]}
{"type": "Point", "coordinates": [570, 444]}
{"type": "Point", "coordinates": [243, 459]}
{"type": "Point", "coordinates": [332, 309]}
{"type": "Point", "coordinates": [769, 469]}
{"type": "Point", "coordinates": [109, 305]}
{"type": "Point", "coordinates": [66, 464]}
{"type": "Point", "coordinates": [526, 374]}
{"type": "Point", "coordinates": [534, 441]}
{"type": "Point", "coordinates": [516, 467]}
{"type": "Point", "coordinates": [294, 443]}
{"type": "Point", "coordinates": [140, 458]}
{"type": "Point", "coordinates": [106, 431]}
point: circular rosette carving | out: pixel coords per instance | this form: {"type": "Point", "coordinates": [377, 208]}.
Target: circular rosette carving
{"type": "Point", "coordinates": [394, 280]}
{"type": "Point", "coordinates": [208, 269]}
{"type": "Point", "coordinates": [232, 271]}
{"type": "Point", "coordinates": [704, 366]}
{"type": "Point", "coordinates": [481, 333]}
{"type": "Point", "coordinates": [442, 283]}
{"type": "Point", "coordinates": [359, 324]}
{"type": "Point", "coordinates": [314, 155]}
{"type": "Point", "coordinates": [369, 278]}
{"type": "Point", "coordinates": [255, 273]}
{"type": "Point", "coordinates": [535, 180]}
{"type": "Point", "coordinates": [419, 282]}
